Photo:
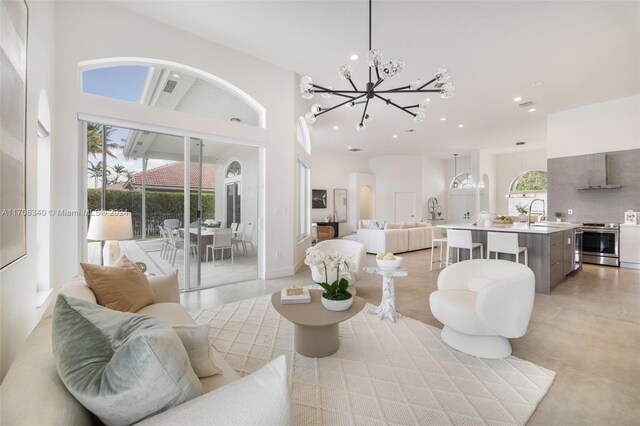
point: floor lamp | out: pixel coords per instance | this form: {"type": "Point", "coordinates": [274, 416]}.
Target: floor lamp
{"type": "Point", "coordinates": [110, 226]}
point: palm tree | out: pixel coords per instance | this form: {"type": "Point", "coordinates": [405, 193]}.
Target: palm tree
{"type": "Point", "coordinates": [95, 172]}
{"type": "Point", "coordinates": [118, 170]}
{"type": "Point", "coordinates": [94, 140]}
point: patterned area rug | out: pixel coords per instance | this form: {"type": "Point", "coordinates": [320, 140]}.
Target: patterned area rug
{"type": "Point", "coordinates": [383, 373]}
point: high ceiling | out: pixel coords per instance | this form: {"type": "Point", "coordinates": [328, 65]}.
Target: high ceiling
{"type": "Point", "coordinates": [582, 52]}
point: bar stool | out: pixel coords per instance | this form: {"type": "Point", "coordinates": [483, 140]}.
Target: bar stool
{"type": "Point", "coordinates": [505, 242]}
{"type": "Point", "coordinates": [442, 242]}
{"type": "Point", "coordinates": [460, 239]}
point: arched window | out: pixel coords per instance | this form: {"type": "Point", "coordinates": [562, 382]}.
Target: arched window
{"type": "Point", "coordinates": [170, 85]}
{"type": "Point", "coordinates": [462, 180]}
{"type": "Point", "coordinates": [531, 180]}
{"type": "Point", "coordinates": [234, 169]}
{"type": "Point", "coordinates": [233, 193]}
{"type": "Point", "coordinates": [525, 187]}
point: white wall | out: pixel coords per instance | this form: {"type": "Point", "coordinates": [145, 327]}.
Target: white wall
{"type": "Point", "coordinates": [330, 170]}
{"type": "Point", "coordinates": [603, 127]}
{"type": "Point", "coordinates": [509, 166]}
{"type": "Point", "coordinates": [121, 33]}
{"type": "Point", "coordinates": [18, 287]}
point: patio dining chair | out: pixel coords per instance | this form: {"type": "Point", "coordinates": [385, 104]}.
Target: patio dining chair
{"type": "Point", "coordinates": [171, 224]}
{"type": "Point", "coordinates": [177, 243]}
{"type": "Point", "coordinates": [221, 241]}
{"type": "Point", "coordinates": [165, 242]}
{"type": "Point", "coordinates": [236, 238]}
{"type": "Point", "coordinates": [234, 229]}
{"type": "Point", "coordinates": [247, 238]}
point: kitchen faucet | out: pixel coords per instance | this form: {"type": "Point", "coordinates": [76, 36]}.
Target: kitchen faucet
{"type": "Point", "coordinates": [530, 205]}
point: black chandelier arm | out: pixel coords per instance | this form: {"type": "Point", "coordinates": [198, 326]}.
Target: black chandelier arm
{"type": "Point", "coordinates": [390, 102]}
{"type": "Point", "coordinates": [413, 106]}
{"type": "Point", "coordinates": [353, 85]}
{"type": "Point", "coordinates": [427, 83]}
{"type": "Point", "coordinates": [339, 105]}
{"type": "Point", "coordinates": [333, 92]}
{"type": "Point", "coordinates": [366, 105]}
{"type": "Point", "coordinates": [411, 91]}
{"type": "Point", "coordinates": [397, 89]}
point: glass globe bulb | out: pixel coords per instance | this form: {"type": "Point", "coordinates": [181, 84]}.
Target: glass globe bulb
{"type": "Point", "coordinates": [360, 127]}
{"type": "Point", "coordinates": [399, 66]}
{"type": "Point", "coordinates": [442, 75]}
{"type": "Point", "coordinates": [415, 84]}
{"type": "Point", "coordinates": [316, 109]}
{"type": "Point", "coordinates": [446, 91]}
{"type": "Point", "coordinates": [310, 117]}
{"type": "Point", "coordinates": [328, 95]}
{"type": "Point", "coordinates": [375, 58]}
{"type": "Point", "coordinates": [387, 70]}
{"type": "Point", "coordinates": [419, 117]}
{"type": "Point", "coordinates": [422, 105]}
{"type": "Point", "coordinates": [306, 87]}
{"type": "Point", "coordinates": [345, 72]}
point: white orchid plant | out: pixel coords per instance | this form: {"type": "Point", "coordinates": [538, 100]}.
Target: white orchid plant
{"type": "Point", "coordinates": [325, 261]}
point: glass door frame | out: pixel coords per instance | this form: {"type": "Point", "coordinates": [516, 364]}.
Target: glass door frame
{"type": "Point", "coordinates": [84, 118]}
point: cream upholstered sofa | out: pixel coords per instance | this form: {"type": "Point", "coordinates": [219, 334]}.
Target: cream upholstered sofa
{"type": "Point", "coordinates": [482, 303]}
{"type": "Point", "coordinates": [33, 394]}
{"type": "Point", "coordinates": [395, 239]}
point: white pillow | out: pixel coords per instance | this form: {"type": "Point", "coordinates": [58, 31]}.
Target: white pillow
{"type": "Point", "coordinates": [392, 226]}
{"type": "Point", "coordinates": [423, 224]}
{"type": "Point", "coordinates": [261, 398]}
{"type": "Point", "coordinates": [195, 339]}
{"type": "Point", "coordinates": [365, 224]}
{"type": "Point", "coordinates": [378, 224]}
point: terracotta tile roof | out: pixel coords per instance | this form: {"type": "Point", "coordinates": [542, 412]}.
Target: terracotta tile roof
{"type": "Point", "coordinates": [171, 176]}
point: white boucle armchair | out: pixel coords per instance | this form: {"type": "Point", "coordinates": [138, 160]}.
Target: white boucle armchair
{"type": "Point", "coordinates": [482, 303]}
{"type": "Point", "coordinates": [347, 248]}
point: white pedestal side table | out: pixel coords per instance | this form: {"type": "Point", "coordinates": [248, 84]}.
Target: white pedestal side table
{"type": "Point", "coordinates": [387, 308]}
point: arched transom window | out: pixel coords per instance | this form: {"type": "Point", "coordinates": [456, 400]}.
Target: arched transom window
{"type": "Point", "coordinates": [234, 169]}
{"type": "Point", "coordinates": [531, 180]}
{"type": "Point", "coordinates": [462, 180]}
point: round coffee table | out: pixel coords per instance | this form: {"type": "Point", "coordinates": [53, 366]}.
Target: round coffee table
{"type": "Point", "coordinates": [316, 330]}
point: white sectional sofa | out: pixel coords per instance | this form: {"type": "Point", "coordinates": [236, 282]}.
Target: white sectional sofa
{"type": "Point", "coordinates": [397, 238]}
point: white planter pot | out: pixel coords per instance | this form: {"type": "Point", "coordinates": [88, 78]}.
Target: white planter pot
{"type": "Point", "coordinates": [558, 220]}
{"type": "Point", "coordinates": [337, 305]}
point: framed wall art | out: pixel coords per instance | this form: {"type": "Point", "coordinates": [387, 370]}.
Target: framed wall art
{"type": "Point", "coordinates": [340, 205]}
{"type": "Point", "coordinates": [13, 100]}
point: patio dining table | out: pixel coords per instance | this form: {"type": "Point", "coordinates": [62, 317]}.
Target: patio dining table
{"type": "Point", "coordinates": [206, 238]}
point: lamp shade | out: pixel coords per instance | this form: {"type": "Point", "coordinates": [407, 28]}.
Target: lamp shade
{"type": "Point", "coordinates": [110, 225]}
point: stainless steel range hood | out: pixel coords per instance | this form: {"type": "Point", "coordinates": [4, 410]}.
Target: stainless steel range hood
{"type": "Point", "coordinates": [597, 173]}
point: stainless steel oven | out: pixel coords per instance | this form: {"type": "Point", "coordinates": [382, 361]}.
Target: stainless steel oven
{"type": "Point", "coordinates": [600, 242]}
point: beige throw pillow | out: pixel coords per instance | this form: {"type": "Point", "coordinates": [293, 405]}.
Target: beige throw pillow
{"type": "Point", "coordinates": [195, 339]}
{"type": "Point", "coordinates": [122, 288]}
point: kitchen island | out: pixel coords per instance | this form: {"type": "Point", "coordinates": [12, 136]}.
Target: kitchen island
{"type": "Point", "coordinates": [550, 248]}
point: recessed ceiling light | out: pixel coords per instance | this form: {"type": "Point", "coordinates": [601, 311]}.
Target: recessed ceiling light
{"type": "Point", "coordinates": [517, 99]}
{"type": "Point", "coordinates": [176, 76]}
{"type": "Point", "coordinates": [235, 120]}
{"type": "Point", "coordinates": [353, 149]}
{"type": "Point", "coordinates": [335, 127]}
{"type": "Point", "coordinates": [354, 57]}
{"type": "Point", "coordinates": [460, 126]}
{"type": "Point", "coordinates": [532, 110]}
{"type": "Point", "coordinates": [443, 119]}
{"type": "Point", "coordinates": [537, 83]}
{"type": "Point", "coordinates": [395, 136]}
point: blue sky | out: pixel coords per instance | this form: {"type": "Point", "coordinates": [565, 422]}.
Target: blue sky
{"type": "Point", "coordinates": [125, 83]}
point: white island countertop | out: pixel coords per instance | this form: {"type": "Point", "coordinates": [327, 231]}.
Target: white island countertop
{"type": "Point", "coordinates": [535, 228]}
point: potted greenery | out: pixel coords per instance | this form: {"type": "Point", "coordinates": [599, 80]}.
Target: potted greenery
{"type": "Point", "coordinates": [336, 296]}
{"type": "Point", "coordinates": [522, 212]}
{"type": "Point", "coordinates": [558, 216]}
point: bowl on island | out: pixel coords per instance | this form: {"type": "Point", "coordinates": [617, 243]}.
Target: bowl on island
{"type": "Point", "coordinates": [389, 265]}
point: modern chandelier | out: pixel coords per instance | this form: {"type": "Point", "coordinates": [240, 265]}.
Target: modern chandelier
{"type": "Point", "coordinates": [384, 71]}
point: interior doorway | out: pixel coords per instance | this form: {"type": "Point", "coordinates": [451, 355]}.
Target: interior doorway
{"type": "Point", "coordinates": [405, 207]}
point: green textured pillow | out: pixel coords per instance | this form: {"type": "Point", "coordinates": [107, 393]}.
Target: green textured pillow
{"type": "Point", "coordinates": [122, 367]}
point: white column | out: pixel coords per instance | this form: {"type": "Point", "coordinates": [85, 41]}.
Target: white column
{"type": "Point", "coordinates": [187, 210]}
{"type": "Point", "coordinates": [144, 198]}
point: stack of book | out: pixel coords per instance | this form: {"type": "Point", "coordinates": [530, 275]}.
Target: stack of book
{"type": "Point", "coordinates": [295, 294]}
